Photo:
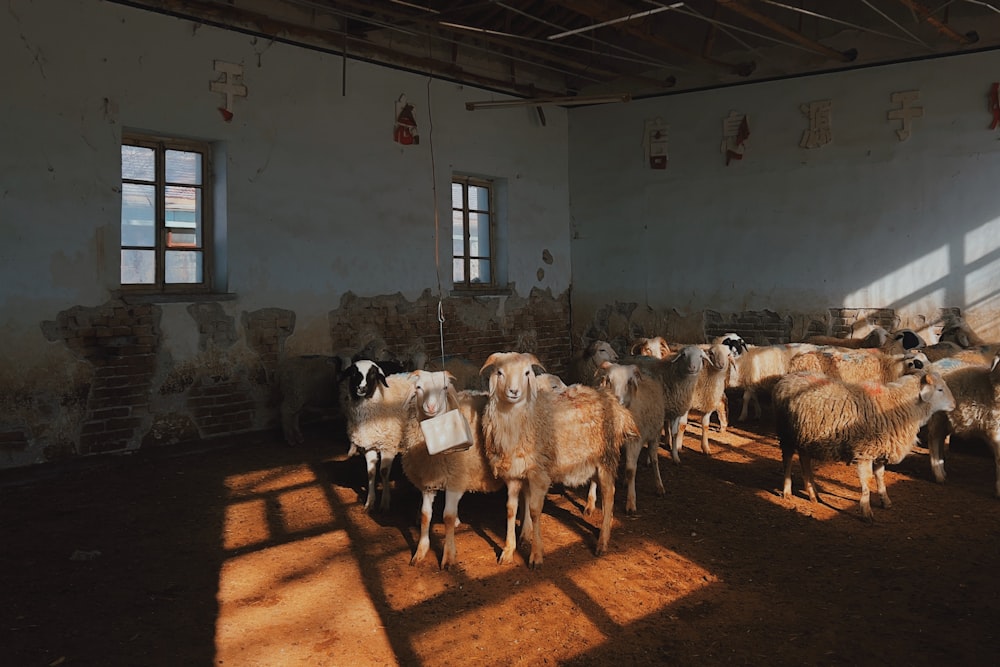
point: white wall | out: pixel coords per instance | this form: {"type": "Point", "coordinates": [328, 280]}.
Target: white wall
{"type": "Point", "coordinates": [321, 201]}
{"type": "Point", "coordinates": [867, 221]}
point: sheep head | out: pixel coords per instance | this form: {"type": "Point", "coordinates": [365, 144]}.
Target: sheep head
{"type": "Point", "coordinates": [621, 381]}
{"type": "Point", "coordinates": [512, 376]}
{"type": "Point", "coordinates": [434, 391]}
{"type": "Point", "coordinates": [655, 347]}
{"type": "Point", "coordinates": [363, 378]}
{"type": "Point", "coordinates": [690, 359]}
{"type": "Point", "coordinates": [600, 351]}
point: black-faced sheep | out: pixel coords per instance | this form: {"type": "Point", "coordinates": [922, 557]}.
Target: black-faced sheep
{"type": "Point", "coordinates": [976, 414]}
{"type": "Point", "coordinates": [377, 409]}
{"type": "Point", "coordinates": [536, 437]}
{"type": "Point", "coordinates": [868, 425]}
{"type": "Point", "coordinates": [307, 383]}
{"type": "Point", "coordinates": [643, 396]}
{"type": "Point", "coordinates": [455, 473]}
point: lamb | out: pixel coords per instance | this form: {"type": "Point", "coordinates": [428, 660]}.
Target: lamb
{"type": "Point", "coordinates": [306, 383]}
{"type": "Point", "coordinates": [759, 368]}
{"type": "Point", "coordinates": [976, 414]}
{"type": "Point", "coordinates": [868, 425]}
{"type": "Point", "coordinates": [679, 376]}
{"type": "Point", "coordinates": [644, 398]}
{"type": "Point", "coordinates": [456, 473]}
{"type": "Point", "coordinates": [710, 392]}
{"type": "Point", "coordinates": [536, 437]}
{"type": "Point", "coordinates": [377, 411]}
{"type": "Point", "coordinates": [858, 365]}
{"type": "Point", "coordinates": [583, 369]}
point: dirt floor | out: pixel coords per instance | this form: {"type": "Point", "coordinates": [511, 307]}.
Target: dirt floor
{"type": "Point", "coordinates": [254, 553]}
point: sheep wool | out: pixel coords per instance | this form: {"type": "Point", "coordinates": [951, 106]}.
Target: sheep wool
{"type": "Point", "coordinates": [867, 425]}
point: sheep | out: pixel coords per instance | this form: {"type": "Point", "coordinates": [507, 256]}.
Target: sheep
{"type": "Point", "coordinates": [959, 332]}
{"type": "Point", "coordinates": [376, 407]}
{"type": "Point", "coordinates": [307, 382]}
{"type": "Point", "coordinates": [877, 337]}
{"type": "Point", "coordinates": [976, 414]}
{"type": "Point", "coordinates": [710, 392]}
{"type": "Point", "coordinates": [552, 382]}
{"type": "Point", "coordinates": [868, 425]}
{"type": "Point", "coordinates": [655, 347]}
{"type": "Point", "coordinates": [644, 398]}
{"type": "Point", "coordinates": [465, 372]}
{"type": "Point", "coordinates": [583, 368]}
{"type": "Point", "coordinates": [759, 368]}
{"type": "Point", "coordinates": [679, 375]}
{"type": "Point", "coordinates": [858, 365]}
{"type": "Point", "coordinates": [538, 437]}
{"type": "Point", "coordinates": [453, 472]}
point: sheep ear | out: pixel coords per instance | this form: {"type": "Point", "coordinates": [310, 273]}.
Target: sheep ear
{"type": "Point", "coordinates": [491, 361]}
{"type": "Point", "coordinates": [928, 384]}
{"type": "Point", "coordinates": [963, 339]}
{"type": "Point", "coordinates": [636, 345]}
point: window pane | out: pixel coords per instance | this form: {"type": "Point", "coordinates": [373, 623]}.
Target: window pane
{"type": "Point", "coordinates": [479, 198]}
{"type": "Point", "coordinates": [138, 267]}
{"type": "Point", "coordinates": [456, 195]}
{"type": "Point", "coordinates": [457, 271]}
{"type": "Point", "coordinates": [182, 266]}
{"type": "Point", "coordinates": [479, 235]}
{"type": "Point", "coordinates": [138, 212]}
{"type": "Point", "coordinates": [183, 167]}
{"type": "Point", "coordinates": [479, 271]}
{"type": "Point", "coordinates": [183, 216]}
{"type": "Point", "coordinates": [457, 235]}
{"type": "Point", "coordinates": [138, 163]}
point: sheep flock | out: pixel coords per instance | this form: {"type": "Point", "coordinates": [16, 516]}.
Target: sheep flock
{"type": "Point", "coordinates": [517, 429]}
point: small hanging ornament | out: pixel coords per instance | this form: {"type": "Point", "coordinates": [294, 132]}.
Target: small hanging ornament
{"type": "Point", "coordinates": [405, 129]}
{"type": "Point", "coordinates": [995, 105]}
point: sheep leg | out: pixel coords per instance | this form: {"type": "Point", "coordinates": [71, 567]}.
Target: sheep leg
{"type": "Point", "coordinates": [538, 486]}
{"type": "Point", "coordinates": [290, 425]}
{"type": "Point", "coordinates": [654, 447]}
{"type": "Point", "coordinates": [424, 545]}
{"type": "Point", "coordinates": [865, 475]}
{"type": "Point", "coordinates": [705, 421]}
{"type": "Point", "coordinates": [722, 410]}
{"type": "Point", "coordinates": [371, 463]}
{"type": "Point", "coordinates": [607, 481]}
{"type": "Point", "coordinates": [805, 462]}
{"type": "Point", "coordinates": [786, 459]}
{"type": "Point", "coordinates": [385, 467]}
{"type": "Point", "coordinates": [748, 395]}
{"type": "Point", "coordinates": [526, 526]}
{"type": "Point", "coordinates": [513, 491]}
{"type": "Point", "coordinates": [937, 431]}
{"type": "Point", "coordinates": [994, 441]}
{"type": "Point", "coordinates": [879, 470]}
{"type": "Point", "coordinates": [450, 555]}
{"type": "Point", "coordinates": [591, 505]}
{"type": "Point", "coordinates": [632, 450]}
{"type": "Point", "coordinates": [675, 440]}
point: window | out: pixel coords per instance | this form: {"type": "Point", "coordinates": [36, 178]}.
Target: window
{"type": "Point", "coordinates": [166, 232]}
{"type": "Point", "coordinates": [472, 227]}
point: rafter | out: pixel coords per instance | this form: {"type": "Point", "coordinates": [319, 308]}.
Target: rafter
{"type": "Point", "coordinates": [740, 7]}
{"type": "Point", "coordinates": [942, 27]}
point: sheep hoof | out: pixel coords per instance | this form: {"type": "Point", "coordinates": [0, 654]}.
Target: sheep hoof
{"type": "Point", "coordinates": [505, 557]}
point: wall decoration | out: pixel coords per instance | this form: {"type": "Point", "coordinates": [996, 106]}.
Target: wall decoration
{"type": "Point", "coordinates": [654, 142]}
{"type": "Point", "coordinates": [994, 98]}
{"type": "Point", "coordinates": [906, 112]}
{"type": "Point", "coordinates": [820, 131]}
{"type": "Point", "coordinates": [229, 84]}
{"type": "Point", "coordinates": [735, 132]}
{"type": "Point", "coordinates": [404, 130]}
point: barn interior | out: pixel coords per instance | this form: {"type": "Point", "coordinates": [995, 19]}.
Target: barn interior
{"type": "Point", "coordinates": [196, 191]}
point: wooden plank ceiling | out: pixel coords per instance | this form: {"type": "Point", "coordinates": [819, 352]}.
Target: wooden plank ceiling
{"type": "Point", "coordinates": [535, 48]}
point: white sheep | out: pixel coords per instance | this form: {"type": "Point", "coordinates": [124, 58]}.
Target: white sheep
{"type": "Point", "coordinates": [377, 411]}
{"type": "Point", "coordinates": [976, 414]}
{"type": "Point", "coordinates": [868, 425]}
{"type": "Point", "coordinates": [759, 368]}
{"type": "Point", "coordinates": [536, 437]}
{"type": "Point", "coordinates": [551, 382]}
{"type": "Point", "coordinates": [306, 383]}
{"type": "Point", "coordinates": [679, 375]}
{"type": "Point", "coordinates": [644, 398]}
{"type": "Point", "coordinates": [456, 472]}
{"type": "Point", "coordinates": [863, 365]}
{"type": "Point", "coordinates": [583, 368]}
{"type": "Point", "coordinates": [710, 392]}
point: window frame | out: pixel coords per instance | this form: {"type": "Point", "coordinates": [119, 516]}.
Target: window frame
{"type": "Point", "coordinates": [466, 285]}
{"type": "Point", "coordinates": [160, 144]}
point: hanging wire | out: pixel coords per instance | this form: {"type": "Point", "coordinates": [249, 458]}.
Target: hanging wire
{"type": "Point", "coordinates": [437, 221]}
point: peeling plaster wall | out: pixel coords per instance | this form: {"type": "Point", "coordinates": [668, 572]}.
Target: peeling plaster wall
{"type": "Point", "coordinates": [864, 223]}
{"type": "Point", "coordinates": [330, 236]}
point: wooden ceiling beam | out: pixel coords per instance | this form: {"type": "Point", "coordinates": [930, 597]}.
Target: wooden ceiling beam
{"type": "Point", "coordinates": [927, 16]}
{"type": "Point", "coordinates": [740, 7]}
